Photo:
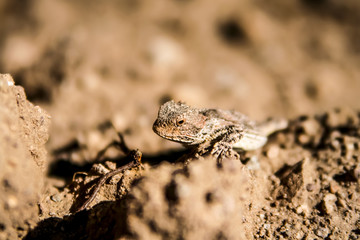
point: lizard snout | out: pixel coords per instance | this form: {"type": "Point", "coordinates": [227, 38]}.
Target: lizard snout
{"type": "Point", "coordinates": [159, 127]}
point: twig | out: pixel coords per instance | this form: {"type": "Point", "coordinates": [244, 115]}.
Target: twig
{"type": "Point", "coordinates": [135, 156]}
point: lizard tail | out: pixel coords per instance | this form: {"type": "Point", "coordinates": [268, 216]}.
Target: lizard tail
{"type": "Point", "coordinates": [272, 125]}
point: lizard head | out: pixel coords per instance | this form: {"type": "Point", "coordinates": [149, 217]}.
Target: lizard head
{"type": "Point", "coordinates": [179, 122]}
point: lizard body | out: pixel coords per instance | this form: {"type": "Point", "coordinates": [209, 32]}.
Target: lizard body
{"type": "Point", "coordinates": [212, 130]}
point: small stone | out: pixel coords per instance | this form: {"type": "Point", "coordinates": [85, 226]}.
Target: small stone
{"type": "Point", "coordinates": [310, 187]}
{"type": "Point", "coordinates": [110, 165]}
{"type": "Point", "coordinates": [267, 226]}
{"type": "Point", "coordinates": [302, 210]}
{"type": "Point", "coordinates": [273, 152]}
{"type": "Point", "coordinates": [304, 139]}
{"type": "Point", "coordinates": [99, 169]}
{"type": "Point", "coordinates": [299, 235]}
{"type": "Point", "coordinates": [322, 232]}
{"type": "Point", "coordinates": [57, 197]}
{"type": "Point", "coordinates": [334, 187]}
{"type": "Point", "coordinates": [299, 210]}
{"type": "Point", "coordinates": [311, 127]}
{"type": "Point", "coordinates": [341, 203]}
{"type": "Point", "coordinates": [328, 203]}
{"type": "Point", "coordinates": [335, 139]}
{"type": "Point", "coordinates": [6, 81]}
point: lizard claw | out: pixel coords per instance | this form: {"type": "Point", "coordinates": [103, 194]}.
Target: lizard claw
{"type": "Point", "coordinates": [222, 150]}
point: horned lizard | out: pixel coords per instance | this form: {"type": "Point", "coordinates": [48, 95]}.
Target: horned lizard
{"type": "Point", "coordinates": [213, 131]}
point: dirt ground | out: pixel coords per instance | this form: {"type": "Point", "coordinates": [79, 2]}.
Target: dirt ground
{"type": "Point", "coordinates": [91, 69]}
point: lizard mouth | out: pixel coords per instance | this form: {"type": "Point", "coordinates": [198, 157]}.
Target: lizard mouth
{"type": "Point", "coordinates": [183, 139]}
{"type": "Point", "coordinates": [175, 138]}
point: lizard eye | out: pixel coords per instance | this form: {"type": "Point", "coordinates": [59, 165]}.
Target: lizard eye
{"type": "Point", "coordinates": [180, 122]}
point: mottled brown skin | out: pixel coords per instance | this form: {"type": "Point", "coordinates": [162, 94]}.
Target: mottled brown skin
{"type": "Point", "coordinates": [211, 130]}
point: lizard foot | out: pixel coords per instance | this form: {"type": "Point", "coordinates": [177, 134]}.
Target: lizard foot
{"type": "Point", "coordinates": [194, 154]}
{"type": "Point", "coordinates": [222, 150]}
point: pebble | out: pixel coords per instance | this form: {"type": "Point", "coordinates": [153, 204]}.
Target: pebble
{"type": "Point", "coordinates": [334, 187]}
{"type": "Point", "coordinates": [302, 210]}
{"type": "Point", "coordinates": [267, 226]}
{"type": "Point", "coordinates": [311, 127]}
{"type": "Point", "coordinates": [322, 232]}
{"type": "Point", "coordinates": [100, 169]}
{"type": "Point", "coordinates": [273, 152]}
{"type": "Point", "coordinates": [334, 139]}
{"type": "Point", "coordinates": [299, 235]}
{"type": "Point", "coordinates": [342, 203]}
{"type": "Point", "coordinates": [110, 165]}
{"type": "Point", "coordinates": [328, 203]}
{"type": "Point", "coordinates": [310, 187]}
{"type": "Point", "coordinates": [57, 197]}
{"type": "Point", "coordinates": [304, 139]}
{"type": "Point", "coordinates": [6, 81]}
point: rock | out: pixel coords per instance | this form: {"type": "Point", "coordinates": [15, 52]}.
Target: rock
{"type": "Point", "coordinates": [56, 198]}
{"type": "Point", "coordinates": [291, 180]}
{"type": "Point", "coordinates": [328, 203]}
{"type": "Point", "coordinates": [322, 232]}
{"type": "Point", "coordinates": [311, 126]}
{"type": "Point", "coordinates": [310, 132]}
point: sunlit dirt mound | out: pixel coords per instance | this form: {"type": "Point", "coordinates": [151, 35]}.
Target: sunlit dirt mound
{"type": "Point", "coordinates": [23, 133]}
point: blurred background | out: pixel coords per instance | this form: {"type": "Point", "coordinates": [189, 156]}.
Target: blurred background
{"type": "Point", "coordinates": [87, 62]}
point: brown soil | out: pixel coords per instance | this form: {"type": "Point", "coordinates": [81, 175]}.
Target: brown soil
{"type": "Point", "coordinates": [95, 65]}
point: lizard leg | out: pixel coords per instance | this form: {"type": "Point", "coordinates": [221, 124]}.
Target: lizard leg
{"type": "Point", "coordinates": [224, 148]}
{"type": "Point", "coordinates": [195, 152]}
